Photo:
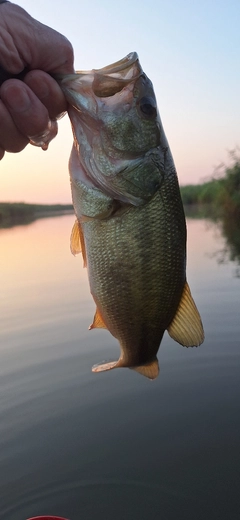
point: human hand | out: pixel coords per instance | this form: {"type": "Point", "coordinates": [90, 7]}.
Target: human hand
{"type": "Point", "coordinates": [28, 107]}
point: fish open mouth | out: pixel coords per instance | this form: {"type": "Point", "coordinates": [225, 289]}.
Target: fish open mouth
{"type": "Point", "coordinates": [107, 81]}
{"type": "Point", "coordinates": [123, 66]}
{"type": "Point", "coordinates": [111, 79]}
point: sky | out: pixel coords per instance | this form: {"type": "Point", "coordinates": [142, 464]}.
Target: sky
{"type": "Point", "coordinates": [189, 50]}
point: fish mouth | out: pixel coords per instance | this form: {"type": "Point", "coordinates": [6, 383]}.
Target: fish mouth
{"type": "Point", "coordinates": [111, 79]}
{"type": "Point", "coordinates": [104, 82]}
{"type": "Point", "coordinates": [124, 65]}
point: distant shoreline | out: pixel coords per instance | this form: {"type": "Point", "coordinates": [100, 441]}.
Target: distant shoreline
{"type": "Point", "coordinates": [220, 194]}
{"type": "Point", "coordinates": [14, 213]}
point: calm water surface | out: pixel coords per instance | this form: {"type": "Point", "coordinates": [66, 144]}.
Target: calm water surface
{"type": "Point", "coordinates": [113, 446]}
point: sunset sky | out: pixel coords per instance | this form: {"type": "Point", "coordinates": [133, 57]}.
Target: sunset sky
{"type": "Point", "coordinates": [190, 51]}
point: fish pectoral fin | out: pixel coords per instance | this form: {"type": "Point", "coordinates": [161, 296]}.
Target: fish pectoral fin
{"type": "Point", "coordinates": [102, 367]}
{"type": "Point", "coordinates": [98, 322]}
{"type": "Point", "coordinates": [186, 327]}
{"type": "Point", "coordinates": [150, 370]}
{"type": "Point", "coordinates": [77, 244]}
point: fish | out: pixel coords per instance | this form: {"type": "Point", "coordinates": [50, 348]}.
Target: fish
{"type": "Point", "coordinates": [130, 224]}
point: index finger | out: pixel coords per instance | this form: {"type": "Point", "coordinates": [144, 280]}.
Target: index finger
{"type": "Point", "coordinates": [29, 115]}
{"type": "Point", "coordinates": [48, 91]}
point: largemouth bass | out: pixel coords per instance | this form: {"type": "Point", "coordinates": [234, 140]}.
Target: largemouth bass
{"type": "Point", "coordinates": [130, 223]}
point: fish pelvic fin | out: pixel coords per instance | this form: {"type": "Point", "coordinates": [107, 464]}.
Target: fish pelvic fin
{"type": "Point", "coordinates": [77, 244]}
{"type": "Point", "coordinates": [98, 322]}
{"type": "Point", "coordinates": [186, 327]}
{"type": "Point", "coordinates": [150, 370]}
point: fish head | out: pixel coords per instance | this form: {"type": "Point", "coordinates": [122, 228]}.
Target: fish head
{"type": "Point", "coordinates": [117, 129]}
{"type": "Point", "coordinates": [127, 108]}
{"type": "Point", "coordinates": [107, 96]}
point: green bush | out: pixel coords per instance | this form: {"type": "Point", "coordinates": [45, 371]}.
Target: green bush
{"type": "Point", "coordinates": [222, 193]}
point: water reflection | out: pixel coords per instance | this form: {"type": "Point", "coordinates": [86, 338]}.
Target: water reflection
{"type": "Point", "coordinates": [228, 229]}
{"type": "Point", "coordinates": [231, 232]}
{"type": "Point", "coordinates": [42, 284]}
{"type": "Point", "coordinates": [113, 445]}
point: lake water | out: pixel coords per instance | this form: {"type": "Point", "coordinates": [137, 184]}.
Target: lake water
{"type": "Point", "coordinates": [115, 445]}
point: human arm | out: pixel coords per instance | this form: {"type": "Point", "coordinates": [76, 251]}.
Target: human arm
{"type": "Point", "coordinates": [26, 107]}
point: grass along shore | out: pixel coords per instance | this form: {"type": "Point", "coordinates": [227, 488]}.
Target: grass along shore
{"type": "Point", "coordinates": [221, 194]}
{"type": "Point", "coordinates": [217, 198]}
{"type": "Point", "coordinates": [18, 212]}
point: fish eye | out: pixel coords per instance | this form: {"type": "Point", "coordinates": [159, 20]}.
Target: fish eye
{"type": "Point", "coordinates": [148, 107]}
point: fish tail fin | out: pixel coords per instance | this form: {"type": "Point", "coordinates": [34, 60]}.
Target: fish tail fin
{"type": "Point", "coordinates": [102, 367]}
{"type": "Point", "coordinates": [150, 370]}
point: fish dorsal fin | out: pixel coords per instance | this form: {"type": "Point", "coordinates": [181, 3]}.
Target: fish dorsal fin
{"type": "Point", "coordinates": [151, 370]}
{"type": "Point", "coordinates": [77, 243]}
{"type": "Point", "coordinates": [98, 322]}
{"type": "Point", "coordinates": [186, 327]}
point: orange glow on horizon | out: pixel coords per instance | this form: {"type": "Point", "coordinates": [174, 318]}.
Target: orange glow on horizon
{"type": "Point", "coordinates": [36, 176]}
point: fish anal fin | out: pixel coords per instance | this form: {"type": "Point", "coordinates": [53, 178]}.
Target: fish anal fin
{"type": "Point", "coordinates": [77, 243]}
{"type": "Point", "coordinates": [150, 370]}
{"type": "Point", "coordinates": [186, 327]}
{"type": "Point", "coordinates": [98, 322]}
{"type": "Point", "coordinates": [102, 367]}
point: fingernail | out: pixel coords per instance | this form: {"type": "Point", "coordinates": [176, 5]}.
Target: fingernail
{"type": "Point", "coordinates": [16, 98]}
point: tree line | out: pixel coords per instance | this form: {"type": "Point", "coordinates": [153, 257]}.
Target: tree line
{"type": "Point", "coordinates": [221, 193]}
